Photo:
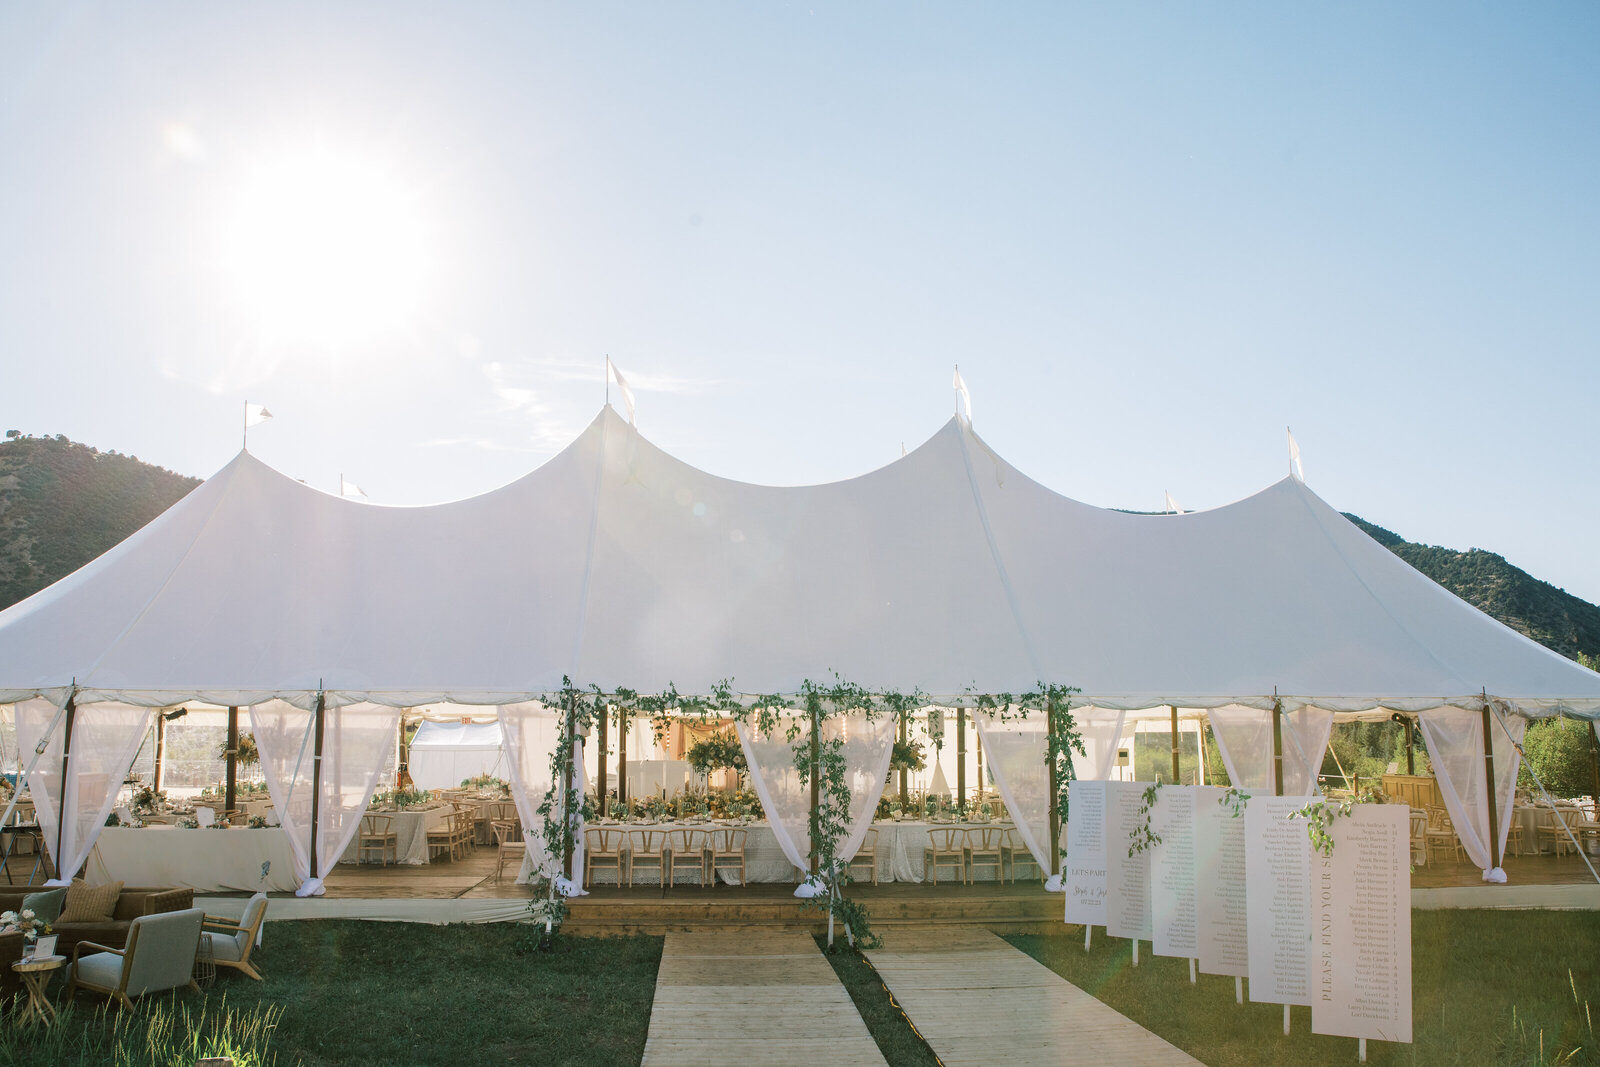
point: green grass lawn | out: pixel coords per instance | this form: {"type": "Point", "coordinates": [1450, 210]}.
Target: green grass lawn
{"type": "Point", "coordinates": [365, 993]}
{"type": "Point", "coordinates": [1488, 987]}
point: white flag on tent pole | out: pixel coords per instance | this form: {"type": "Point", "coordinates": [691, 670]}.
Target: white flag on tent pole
{"type": "Point", "coordinates": [1172, 505]}
{"type": "Point", "coordinates": [962, 394]}
{"type": "Point", "coordinates": [1295, 466]}
{"type": "Point", "coordinates": [622, 384]}
{"type": "Point", "coordinates": [350, 488]}
{"type": "Point", "coordinates": [255, 414]}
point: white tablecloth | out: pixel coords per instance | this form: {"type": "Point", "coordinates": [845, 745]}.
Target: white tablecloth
{"type": "Point", "coordinates": [411, 828]}
{"type": "Point", "coordinates": [233, 860]}
{"type": "Point", "coordinates": [900, 845]}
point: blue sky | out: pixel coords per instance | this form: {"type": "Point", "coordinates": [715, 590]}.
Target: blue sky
{"type": "Point", "coordinates": [1151, 235]}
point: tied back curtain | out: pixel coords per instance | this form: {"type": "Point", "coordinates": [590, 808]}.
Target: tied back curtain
{"type": "Point", "coordinates": [1455, 744]}
{"type": "Point", "coordinates": [868, 747]}
{"type": "Point", "coordinates": [357, 739]}
{"type": "Point", "coordinates": [105, 738]}
{"type": "Point", "coordinates": [531, 730]}
{"type": "Point", "coordinates": [1244, 737]}
{"type": "Point", "coordinates": [1016, 760]}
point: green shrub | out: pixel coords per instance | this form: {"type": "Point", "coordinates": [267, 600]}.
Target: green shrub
{"type": "Point", "coordinates": [1561, 752]}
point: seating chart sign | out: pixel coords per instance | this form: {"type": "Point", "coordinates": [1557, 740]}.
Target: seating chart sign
{"type": "Point", "coordinates": [1173, 907]}
{"type": "Point", "coordinates": [1220, 884]}
{"type": "Point", "coordinates": [1277, 869]}
{"type": "Point", "coordinates": [1362, 918]}
{"type": "Point", "coordinates": [1084, 880]}
{"type": "Point", "coordinates": [1127, 877]}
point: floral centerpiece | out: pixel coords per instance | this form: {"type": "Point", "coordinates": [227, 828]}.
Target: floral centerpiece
{"type": "Point", "coordinates": [487, 783]}
{"type": "Point", "coordinates": [616, 809]}
{"type": "Point", "coordinates": [149, 801]}
{"type": "Point", "coordinates": [907, 756]}
{"type": "Point", "coordinates": [29, 925]}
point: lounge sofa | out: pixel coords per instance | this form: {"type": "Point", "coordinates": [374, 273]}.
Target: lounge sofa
{"type": "Point", "coordinates": [133, 902]}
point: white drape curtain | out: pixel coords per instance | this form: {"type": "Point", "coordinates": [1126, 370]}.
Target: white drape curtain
{"type": "Point", "coordinates": [356, 740]}
{"type": "Point", "coordinates": [531, 731]}
{"type": "Point", "coordinates": [1455, 744]}
{"type": "Point", "coordinates": [105, 738]}
{"type": "Point", "coordinates": [1101, 730]}
{"type": "Point", "coordinates": [1244, 737]}
{"type": "Point", "coordinates": [868, 747]}
{"type": "Point", "coordinates": [1015, 752]}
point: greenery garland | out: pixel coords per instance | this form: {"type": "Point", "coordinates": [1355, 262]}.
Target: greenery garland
{"type": "Point", "coordinates": [830, 821]}
{"type": "Point", "coordinates": [1143, 838]}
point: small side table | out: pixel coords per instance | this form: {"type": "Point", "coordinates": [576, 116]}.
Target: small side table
{"type": "Point", "coordinates": [36, 976]}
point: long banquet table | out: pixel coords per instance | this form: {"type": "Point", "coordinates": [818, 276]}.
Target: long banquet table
{"type": "Point", "coordinates": [899, 852]}
{"type": "Point", "coordinates": [411, 828]}
{"type": "Point", "coordinates": [232, 860]}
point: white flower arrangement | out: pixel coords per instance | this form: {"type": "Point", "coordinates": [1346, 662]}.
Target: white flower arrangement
{"type": "Point", "coordinates": [27, 924]}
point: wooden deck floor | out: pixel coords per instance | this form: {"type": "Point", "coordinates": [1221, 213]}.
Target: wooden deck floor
{"type": "Point", "coordinates": [978, 1001]}
{"type": "Point", "coordinates": [752, 997]}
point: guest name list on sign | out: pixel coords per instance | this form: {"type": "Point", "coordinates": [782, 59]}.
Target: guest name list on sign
{"type": "Point", "coordinates": [1127, 877]}
{"type": "Point", "coordinates": [1277, 861]}
{"type": "Point", "coordinates": [1362, 907]}
{"type": "Point", "coordinates": [1172, 874]}
{"type": "Point", "coordinates": [1085, 878]}
{"type": "Point", "coordinates": [1220, 885]}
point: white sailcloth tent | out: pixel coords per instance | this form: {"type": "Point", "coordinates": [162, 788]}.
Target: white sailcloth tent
{"type": "Point", "coordinates": [614, 564]}
{"type": "Point", "coordinates": [442, 754]}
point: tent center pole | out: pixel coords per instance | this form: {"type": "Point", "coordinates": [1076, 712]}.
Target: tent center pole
{"type": "Point", "coordinates": [231, 781]}
{"type": "Point", "coordinates": [66, 783]}
{"type": "Point", "coordinates": [1594, 751]}
{"type": "Point", "coordinates": [961, 755]}
{"type": "Point", "coordinates": [158, 777]}
{"type": "Point", "coordinates": [905, 798]}
{"type": "Point", "coordinates": [569, 739]}
{"type": "Point", "coordinates": [622, 758]}
{"type": "Point", "coordinates": [1488, 772]}
{"type": "Point", "coordinates": [1277, 747]}
{"type": "Point", "coordinates": [1411, 748]}
{"type": "Point", "coordinates": [1055, 786]}
{"type": "Point", "coordinates": [316, 781]}
{"type": "Point", "coordinates": [816, 786]}
{"type": "Point", "coordinates": [1175, 780]}
{"type": "Point", "coordinates": [600, 784]}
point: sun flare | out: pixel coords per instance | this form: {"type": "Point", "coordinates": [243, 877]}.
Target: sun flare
{"type": "Point", "coordinates": [325, 248]}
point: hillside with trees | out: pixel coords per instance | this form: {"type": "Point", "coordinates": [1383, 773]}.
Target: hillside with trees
{"type": "Point", "coordinates": [63, 503]}
{"type": "Point", "coordinates": [1553, 617]}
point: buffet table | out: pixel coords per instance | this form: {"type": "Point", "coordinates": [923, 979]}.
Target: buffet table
{"type": "Point", "coordinates": [211, 861]}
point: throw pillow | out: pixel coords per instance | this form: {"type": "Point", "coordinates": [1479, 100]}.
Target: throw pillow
{"type": "Point", "coordinates": [90, 904]}
{"type": "Point", "coordinates": [46, 906]}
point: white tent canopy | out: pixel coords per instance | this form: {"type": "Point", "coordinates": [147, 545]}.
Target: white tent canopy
{"type": "Point", "coordinates": [614, 564]}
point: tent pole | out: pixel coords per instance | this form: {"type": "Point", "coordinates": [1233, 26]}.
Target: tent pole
{"type": "Point", "coordinates": [1411, 747]}
{"type": "Point", "coordinates": [316, 780]}
{"type": "Point", "coordinates": [66, 750]}
{"type": "Point", "coordinates": [905, 798]}
{"type": "Point", "coordinates": [1488, 771]}
{"type": "Point", "coordinates": [977, 743]}
{"type": "Point", "coordinates": [600, 784]}
{"type": "Point", "coordinates": [1594, 750]}
{"type": "Point", "coordinates": [231, 782]}
{"type": "Point", "coordinates": [1175, 780]}
{"type": "Point", "coordinates": [961, 756]}
{"type": "Point", "coordinates": [568, 739]}
{"type": "Point", "coordinates": [622, 757]}
{"type": "Point", "coordinates": [1277, 745]}
{"type": "Point", "coordinates": [159, 774]}
{"type": "Point", "coordinates": [1055, 788]}
{"type": "Point", "coordinates": [816, 767]}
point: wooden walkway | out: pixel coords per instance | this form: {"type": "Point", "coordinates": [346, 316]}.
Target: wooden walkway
{"type": "Point", "coordinates": [976, 1000]}
{"type": "Point", "coordinates": [752, 997]}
